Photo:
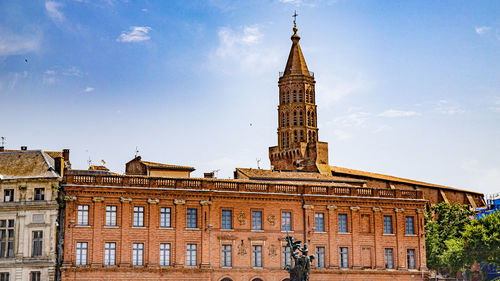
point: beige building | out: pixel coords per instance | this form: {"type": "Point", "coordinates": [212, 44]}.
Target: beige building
{"type": "Point", "coordinates": [29, 184]}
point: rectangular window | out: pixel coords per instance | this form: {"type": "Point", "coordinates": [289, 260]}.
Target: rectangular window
{"type": "Point", "coordinates": [138, 216]}
{"type": "Point", "coordinates": [387, 224]}
{"type": "Point", "coordinates": [110, 215]}
{"type": "Point", "coordinates": [81, 253]}
{"type": "Point", "coordinates": [6, 238]}
{"type": "Point", "coordinates": [320, 257]}
{"type": "Point", "coordinates": [4, 276]}
{"type": "Point", "coordinates": [344, 257]}
{"type": "Point", "coordinates": [343, 223]}
{"type": "Point", "coordinates": [39, 193]}
{"type": "Point", "coordinates": [191, 254]}
{"type": "Point", "coordinates": [8, 195]}
{"type": "Point", "coordinates": [37, 244]}
{"type": "Point", "coordinates": [319, 219]}
{"type": "Point", "coordinates": [389, 259]}
{"type": "Point", "coordinates": [226, 219]}
{"type": "Point", "coordinates": [226, 255]}
{"type": "Point", "coordinates": [165, 254]}
{"type": "Point", "coordinates": [165, 216]}
{"type": "Point", "coordinates": [256, 220]}
{"type": "Point", "coordinates": [83, 215]}
{"type": "Point", "coordinates": [257, 256]}
{"type": "Point", "coordinates": [192, 218]}
{"type": "Point", "coordinates": [137, 254]}
{"type": "Point", "coordinates": [287, 256]}
{"type": "Point", "coordinates": [410, 227]}
{"type": "Point", "coordinates": [286, 221]}
{"type": "Point", "coordinates": [35, 276]}
{"type": "Point", "coordinates": [110, 253]}
{"type": "Point", "coordinates": [410, 256]}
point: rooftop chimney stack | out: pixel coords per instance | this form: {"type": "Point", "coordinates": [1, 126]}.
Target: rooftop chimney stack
{"type": "Point", "coordinates": [2, 149]}
{"type": "Point", "coordinates": [66, 154]}
{"type": "Point", "coordinates": [208, 175]}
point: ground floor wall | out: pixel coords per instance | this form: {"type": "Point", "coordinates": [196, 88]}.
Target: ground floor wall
{"type": "Point", "coordinates": [22, 272]}
{"type": "Point", "coordinates": [117, 273]}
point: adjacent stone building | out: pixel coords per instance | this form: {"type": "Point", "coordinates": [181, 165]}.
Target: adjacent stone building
{"type": "Point", "coordinates": [29, 184]}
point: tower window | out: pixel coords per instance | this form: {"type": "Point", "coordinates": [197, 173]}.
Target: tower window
{"type": "Point", "coordinates": [295, 118]}
{"type": "Point", "coordinates": [301, 135]}
{"type": "Point", "coordinates": [294, 96]}
{"type": "Point", "coordinates": [287, 97]}
{"type": "Point", "coordinates": [301, 98]}
{"type": "Point", "coordinates": [301, 118]}
{"type": "Point", "coordinates": [295, 136]}
{"type": "Point", "coordinates": [283, 95]}
{"type": "Point", "coordinates": [287, 123]}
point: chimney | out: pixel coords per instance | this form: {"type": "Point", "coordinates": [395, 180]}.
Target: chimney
{"type": "Point", "coordinates": [66, 154]}
{"type": "Point", "coordinates": [2, 149]}
{"type": "Point", "coordinates": [24, 148]}
{"type": "Point", "coordinates": [208, 175]}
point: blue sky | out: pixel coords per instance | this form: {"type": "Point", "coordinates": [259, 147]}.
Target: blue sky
{"type": "Point", "coordinates": [406, 88]}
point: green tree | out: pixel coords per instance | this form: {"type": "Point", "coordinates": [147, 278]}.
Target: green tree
{"type": "Point", "coordinates": [444, 244]}
{"type": "Point", "coordinates": [482, 240]}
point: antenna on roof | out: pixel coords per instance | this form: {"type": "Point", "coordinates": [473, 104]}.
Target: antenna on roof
{"type": "Point", "coordinates": [103, 162]}
{"type": "Point", "coordinates": [90, 162]}
{"type": "Point", "coordinates": [3, 141]}
{"type": "Point", "coordinates": [136, 151]}
{"type": "Point", "coordinates": [258, 162]}
{"type": "Point", "coordinates": [215, 172]}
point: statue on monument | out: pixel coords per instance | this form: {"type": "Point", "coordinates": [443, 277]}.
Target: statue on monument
{"type": "Point", "coordinates": [301, 264]}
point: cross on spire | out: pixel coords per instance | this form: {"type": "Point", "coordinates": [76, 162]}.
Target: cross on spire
{"type": "Point", "coordinates": [295, 18]}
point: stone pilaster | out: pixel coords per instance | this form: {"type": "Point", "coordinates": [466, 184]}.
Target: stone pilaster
{"type": "Point", "coordinates": [400, 224]}
{"type": "Point", "coordinates": [153, 244]}
{"type": "Point", "coordinates": [356, 250]}
{"type": "Point", "coordinates": [180, 224]}
{"type": "Point", "coordinates": [126, 218]}
{"type": "Point", "coordinates": [333, 229]}
{"type": "Point", "coordinates": [97, 254]}
{"type": "Point", "coordinates": [205, 234]}
{"type": "Point", "coordinates": [378, 229]}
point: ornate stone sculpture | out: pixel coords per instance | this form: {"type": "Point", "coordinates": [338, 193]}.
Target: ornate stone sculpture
{"type": "Point", "coordinates": [301, 264]}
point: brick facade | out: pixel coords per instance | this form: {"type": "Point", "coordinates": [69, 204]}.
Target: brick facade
{"type": "Point", "coordinates": [364, 239]}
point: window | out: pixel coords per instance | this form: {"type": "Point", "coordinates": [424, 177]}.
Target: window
{"type": "Point", "coordinates": [257, 256]}
{"type": "Point", "coordinates": [83, 215]}
{"type": "Point", "coordinates": [39, 193]}
{"type": "Point", "coordinates": [287, 256]}
{"type": "Point", "coordinates": [389, 259]}
{"type": "Point", "coordinates": [342, 222]}
{"type": "Point", "coordinates": [286, 221]}
{"type": "Point", "coordinates": [4, 276]}
{"type": "Point", "coordinates": [35, 276]}
{"type": "Point", "coordinates": [319, 219]}
{"type": "Point", "coordinates": [37, 244]}
{"type": "Point", "coordinates": [226, 256]}
{"type": "Point", "coordinates": [110, 215]}
{"type": "Point", "coordinates": [226, 219]}
{"type": "Point", "coordinates": [344, 257]}
{"type": "Point", "coordinates": [8, 195]}
{"type": "Point", "coordinates": [164, 254]}
{"type": "Point", "coordinates": [6, 238]}
{"type": "Point", "coordinates": [165, 216]}
{"type": "Point", "coordinates": [137, 254]}
{"type": "Point", "coordinates": [387, 224]}
{"type": "Point", "coordinates": [109, 253]}
{"type": "Point", "coordinates": [410, 227]}
{"type": "Point", "coordinates": [191, 254]}
{"type": "Point", "coordinates": [138, 216]}
{"type": "Point", "coordinates": [81, 253]}
{"type": "Point", "coordinates": [410, 257]}
{"type": "Point", "coordinates": [192, 218]}
{"type": "Point", "coordinates": [320, 257]}
{"type": "Point", "coordinates": [256, 220]}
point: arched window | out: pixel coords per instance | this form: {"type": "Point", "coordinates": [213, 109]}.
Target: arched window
{"type": "Point", "coordinates": [310, 136]}
{"type": "Point", "coordinates": [287, 139]}
{"type": "Point", "coordinates": [314, 136]}
{"type": "Point", "coordinates": [257, 279]}
{"type": "Point", "coordinates": [295, 136]}
{"type": "Point", "coordinates": [295, 118]}
{"type": "Point", "coordinates": [312, 119]}
{"type": "Point", "coordinates": [287, 98]}
{"type": "Point", "coordinates": [312, 96]}
{"type": "Point", "coordinates": [301, 98]}
{"type": "Point", "coordinates": [287, 121]}
{"type": "Point", "coordinates": [309, 118]}
{"type": "Point", "coordinates": [294, 96]}
{"type": "Point", "coordinates": [301, 135]}
{"type": "Point", "coordinates": [282, 119]}
{"type": "Point", "coordinates": [283, 97]}
{"type": "Point", "coordinates": [301, 118]}
{"type": "Point", "coordinates": [308, 96]}
{"type": "Point", "coordinates": [229, 279]}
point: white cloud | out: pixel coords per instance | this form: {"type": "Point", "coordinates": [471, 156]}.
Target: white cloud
{"type": "Point", "coordinates": [482, 29]}
{"type": "Point", "coordinates": [393, 113]}
{"type": "Point", "coordinates": [478, 175]}
{"type": "Point", "coordinates": [136, 34]}
{"type": "Point", "coordinates": [50, 72]}
{"type": "Point", "coordinates": [15, 44]}
{"type": "Point", "coordinates": [448, 108]}
{"type": "Point", "coordinates": [144, 10]}
{"type": "Point", "coordinates": [53, 11]}
{"type": "Point", "coordinates": [244, 48]}
{"type": "Point", "coordinates": [333, 88]}
{"type": "Point", "coordinates": [88, 89]}
{"type": "Point", "coordinates": [356, 119]}
{"type": "Point", "coordinates": [72, 71]}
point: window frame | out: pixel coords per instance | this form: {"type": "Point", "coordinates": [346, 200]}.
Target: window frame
{"type": "Point", "coordinates": [191, 254]}
{"type": "Point", "coordinates": [388, 224]}
{"type": "Point", "coordinates": [165, 254]}
{"type": "Point", "coordinates": [410, 227]}
{"type": "Point", "coordinates": [35, 275]}
{"type": "Point", "coordinates": [39, 194]}
{"type": "Point", "coordinates": [138, 254]}
{"type": "Point", "coordinates": [286, 222]}
{"type": "Point", "coordinates": [321, 216]}
{"type": "Point", "coordinates": [286, 256]}
{"type": "Point", "coordinates": [4, 276]}
{"type": "Point", "coordinates": [341, 228]}
{"type": "Point", "coordinates": [84, 214]}
{"type": "Point", "coordinates": [410, 258]}
{"type": "Point", "coordinates": [192, 219]}
{"type": "Point", "coordinates": [343, 257]}
{"type": "Point", "coordinates": [389, 258]}
{"type": "Point", "coordinates": [109, 254]}
{"type": "Point", "coordinates": [11, 194]}
{"type": "Point", "coordinates": [7, 238]}
{"type": "Point", "coordinates": [255, 226]}
{"type": "Point", "coordinates": [257, 256]}
{"type": "Point", "coordinates": [138, 219]}
{"type": "Point", "coordinates": [111, 218]}
{"type": "Point", "coordinates": [165, 217]}
{"type": "Point", "coordinates": [224, 221]}
{"type": "Point", "coordinates": [227, 255]}
{"type": "Point", "coordinates": [37, 244]}
{"type": "Point", "coordinates": [81, 252]}
{"type": "Point", "coordinates": [320, 257]}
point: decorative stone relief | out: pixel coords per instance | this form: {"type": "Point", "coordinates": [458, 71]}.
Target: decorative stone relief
{"type": "Point", "coordinates": [153, 201]}
{"type": "Point", "coordinates": [355, 208]}
{"type": "Point", "coordinates": [271, 219]}
{"type": "Point", "coordinates": [206, 203]}
{"type": "Point", "coordinates": [242, 219]}
{"type": "Point", "coordinates": [242, 250]}
{"type": "Point", "coordinates": [377, 209]}
{"type": "Point", "coordinates": [179, 201]}
{"type": "Point", "coordinates": [98, 199]}
{"type": "Point", "coordinates": [308, 206]}
{"type": "Point", "coordinates": [273, 250]}
{"type": "Point", "coordinates": [397, 210]}
{"type": "Point", "coordinates": [332, 207]}
{"type": "Point", "coordinates": [125, 200]}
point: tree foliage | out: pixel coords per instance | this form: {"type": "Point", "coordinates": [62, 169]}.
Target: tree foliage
{"type": "Point", "coordinates": [455, 239]}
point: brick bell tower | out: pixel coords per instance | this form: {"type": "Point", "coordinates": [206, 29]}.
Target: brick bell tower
{"type": "Point", "coordinates": [298, 147]}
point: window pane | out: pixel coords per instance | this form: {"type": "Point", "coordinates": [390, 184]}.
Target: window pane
{"type": "Point", "coordinates": [320, 257]}
{"type": "Point", "coordinates": [409, 225]}
{"type": "Point", "coordinates": [256, 220]}
{"type": "Point", "coordinates": [226, 221]}
{"type": "Point", "coordinates": [192, 218]}
{"type": "Point", "coordinates": [411, 258]}
{"type": "Point", "coordinates": [226, 255]}
{"type": "Point", "coordinates": [287, 256]}
{"type": "Point", "coordinates": [111, 215]}
{"type": "Point", "coordinates": [387, 224]}
{"type": "Point", "coordinates": [320, 222]}
{"type": "Point", "coordinates": [164, 254]}
{"type": "Point", "coordinates": [191, 255]}
{"type": "Point", "coordinates": [286, 221]}
{"type": "Point", "coordinates": [257, 256]}
{"type": "Point", "coordinates": [344, 257]}
{"type": "Point", "coordinates": [389, 261]}
{"type": "Point", "coordinates": [139, 216]}
{"type": "Point", "coordinates": [165, 217]}
{"type": "Point", "coordinates": [342, 222]}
